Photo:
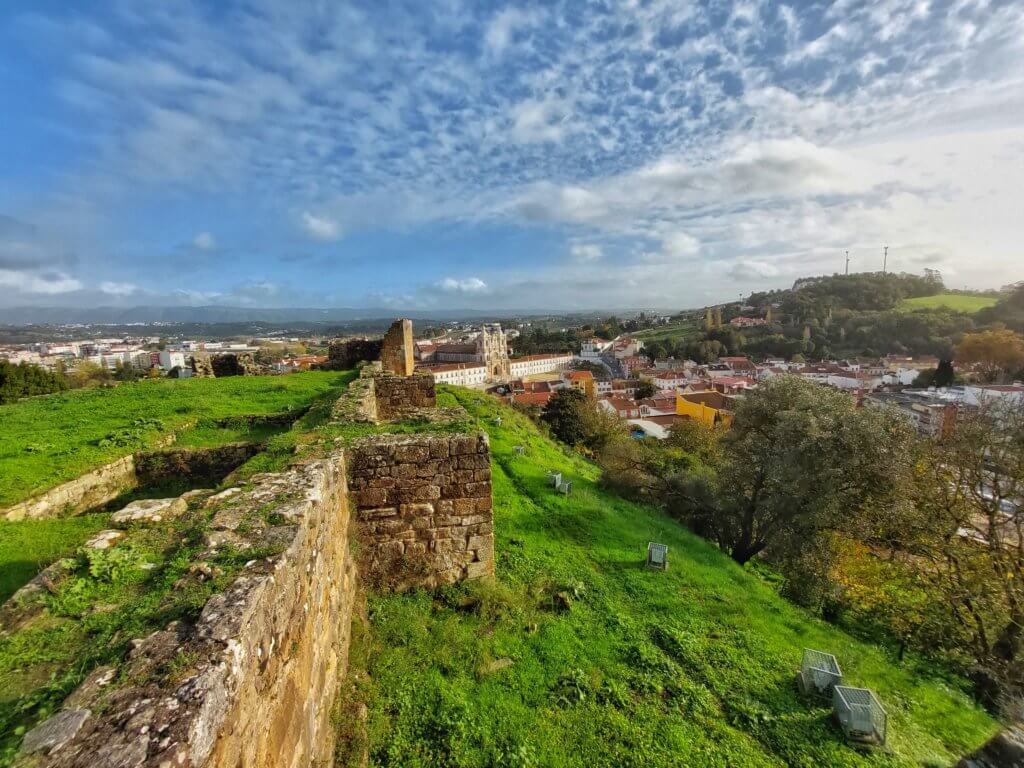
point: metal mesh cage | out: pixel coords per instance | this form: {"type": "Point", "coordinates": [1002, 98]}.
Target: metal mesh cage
{"type": "Point", "coordinates": [819, 672]}
{"type": "Point", "coordinates": [564, 488]}
{"type": "Point", "coordinates": [657, 555]}
{"type": "Point", "coordinates": [860, 714]}
{"type": "Point", "coordinates": [555, 477]}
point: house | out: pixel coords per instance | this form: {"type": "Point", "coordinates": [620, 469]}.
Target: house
{"type": "Point", "coordinates": [739, 365]}
{"type": "Point", "coordinates": [669, 380]}
{"type": "Point", "coordinates": [626, 347]}
{"type": "Point", "coordinates": [593, 348]}
{"type": "Point", "coordinates": [623, 407]}
{"type": "Point", "coordinates": [709, 408]}
{"type": "Point", "coordinates": [582, 381]}
{"type": "Point", "coordinates": [747, 322]}
{"type": "Point", "coordinates": [731, 385]}
{"type": "Point", "coordinates": [632, 363]}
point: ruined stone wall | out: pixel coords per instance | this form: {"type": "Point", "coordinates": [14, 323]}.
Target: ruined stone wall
{"type": "Point", "coordinates": [230, 364]}
{"type": "Point", "coordinates": [1004, 750]}
{"type": "Point", "coordinates": [202, 466]}
{"type": "Point", "coordinates": [423, 507]}
{"type": "Point", "coordinates": [399, 396]}
{"type": "Point", "coordinates": [75, 496]}
{"type": "Point", "coordinates": [396, 353]}
{"type": "Point", "coordinates": [343, 355]}
{"type": "Point", "coordinates": [264, 658]}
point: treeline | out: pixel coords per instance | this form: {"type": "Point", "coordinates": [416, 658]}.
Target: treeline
{"type": "Point", "coordinates": [26, 380]}
{"type": "Point", "coordinates": [843, 316]}
{"type": "Point", "coordinates": [907, 541]}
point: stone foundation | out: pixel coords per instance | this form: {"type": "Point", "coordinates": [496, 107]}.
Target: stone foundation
{"type": "Point", "coordinates": [423, 507]}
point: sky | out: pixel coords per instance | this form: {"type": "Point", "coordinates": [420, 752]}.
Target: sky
{"type": "Point", "coordinates": [456, 154]}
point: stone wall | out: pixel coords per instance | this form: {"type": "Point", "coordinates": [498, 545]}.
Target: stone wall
{"type": "Point", "coordinates": [1004, 750]}
{"type": "Point", "coordinates": [343, 355]}
{"type": "Point", "coordinates": [396, 353]}
{"type": "Point", "coordinates": [202, 466]}
{"type": "Point", "coordinates": [423, 507]}
{"type": "Point", "coordinates": [230, 364]}
{"type": "Point", "coordinates": [75, 496]}
{"type": "Point", "coordinates": [401, 396]}
{"type": "Point", "coordinates": [263, 660]}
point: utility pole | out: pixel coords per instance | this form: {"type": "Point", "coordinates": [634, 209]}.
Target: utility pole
{"type": "Point", "coordinates": [847, 262]}
{"type": "Point", "coordinates": [885, 257]}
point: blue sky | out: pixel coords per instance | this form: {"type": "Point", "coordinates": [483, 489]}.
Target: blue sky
{"type": "Point", "coordinates": [490, 155]}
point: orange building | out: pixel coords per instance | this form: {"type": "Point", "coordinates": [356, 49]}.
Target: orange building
{"type": "Point", "coordinates": [583, 381]}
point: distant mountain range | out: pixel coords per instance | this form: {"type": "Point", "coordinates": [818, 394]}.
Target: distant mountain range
{"type": "Point", "coordinates": [144, 314]}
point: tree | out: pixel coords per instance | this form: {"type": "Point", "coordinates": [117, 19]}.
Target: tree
{"type": "Point", "coordinates": [26, 380]}
{"type": "Point", "coordinates": [944, 374]}
{"type": "Point", "coordinates": [799, 461]}
{"type": "Point", "coordinates": [963, 537]}
{"type": "Point", "coordinates": [563, 414]}
{"type": "Point", "coordinates": [644, 389]}
{"type": "Point", "coordinates": [996, 352]}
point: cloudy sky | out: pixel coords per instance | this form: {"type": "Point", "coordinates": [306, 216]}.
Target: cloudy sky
{"type": "Point", "coordinates": [468, 154]}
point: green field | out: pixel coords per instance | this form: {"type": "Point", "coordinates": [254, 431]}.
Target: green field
{"type": "Point", "coordinates": [50, 440]}
{"type": "Point", "coordinates": [675, 332]}
{"type": "Point", "coordinates": [956, 301]}
{"type": "Point", "coordinates": [580, 656]}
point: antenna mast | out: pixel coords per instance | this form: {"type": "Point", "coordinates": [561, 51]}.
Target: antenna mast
{"type": "Point", "coordinates": [847, 262]}
{"type": "Point", "coordinates": [885, 258]}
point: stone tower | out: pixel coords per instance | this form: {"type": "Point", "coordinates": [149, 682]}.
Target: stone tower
{"type": "Point", "coordinates": [396, 352]}
{"type": "Point", "coordinates": [492, 350]}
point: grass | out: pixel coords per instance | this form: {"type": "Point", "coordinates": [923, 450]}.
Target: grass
{"type": "Point", "coordinates": [28, 546]}
{"type": "Point", "coordinates": [577, 655]}
{"type": "Point", "coordinates": [90, 619]}
{"type": "Point", "coordinates": [959, 302]}
{"type": "Point", "coordinates": [675, 332]}
{"type": "Point", "coordinates": [50, 440]}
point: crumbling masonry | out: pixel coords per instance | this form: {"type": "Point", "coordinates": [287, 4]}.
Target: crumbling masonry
{"type": "Point", "coordinates": [266, 654]}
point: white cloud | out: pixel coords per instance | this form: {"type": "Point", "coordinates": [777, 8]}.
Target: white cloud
{"type": "Point", "coordinates": [586, 251]}
{"type": "Point", "coordinates": [503, 26]}
{"type": "Point", "coordinates": [539, 120]}
{"type": "Point", "coordinates": [204, 241]}
{"type": "Point", "coordinates": [680, 245]}
{"type": "Point", "coordinates": [49, 284]}
{"type": "Point", "coordinates": [118, 289]}
{"type": "Point", "coordinates": [751, 269]}
{"type": "Point", "coordinates": [320, 227]}
{"type": "Point", "coordinates": [469, 285]}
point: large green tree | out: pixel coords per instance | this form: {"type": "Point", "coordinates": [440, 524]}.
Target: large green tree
{"type": "Point", "coordinates": [800, 460]}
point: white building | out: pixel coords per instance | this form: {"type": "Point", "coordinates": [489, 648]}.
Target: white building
{"type": "Point", "coordinates": [459, 374]}
{"type": "Point", "coordinates": [170, 359]}
{"type": "Point", "coordinates": [537, 364]}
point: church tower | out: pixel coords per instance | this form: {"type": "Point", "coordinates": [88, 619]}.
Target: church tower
{"type": "Point", "coordinates": [492, 351]}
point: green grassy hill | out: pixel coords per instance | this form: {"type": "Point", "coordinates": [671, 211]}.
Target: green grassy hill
{"type": "Point", "coordinates": [956, 301]}
{"type": "Point", "coordinates": [580, 656]}
{"type": "Point", "coordinates": [50, 440]}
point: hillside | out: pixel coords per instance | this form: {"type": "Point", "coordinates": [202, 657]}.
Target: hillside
{"type": "Point", "coordinates": [580, 656]}
{"type": "Point", "coordinates": [956, 301]}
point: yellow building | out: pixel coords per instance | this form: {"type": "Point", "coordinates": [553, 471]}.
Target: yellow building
{"type": "Point", "coordinates": [583, 381]}
{"type": "Point", "coordinates": [709, 408]}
